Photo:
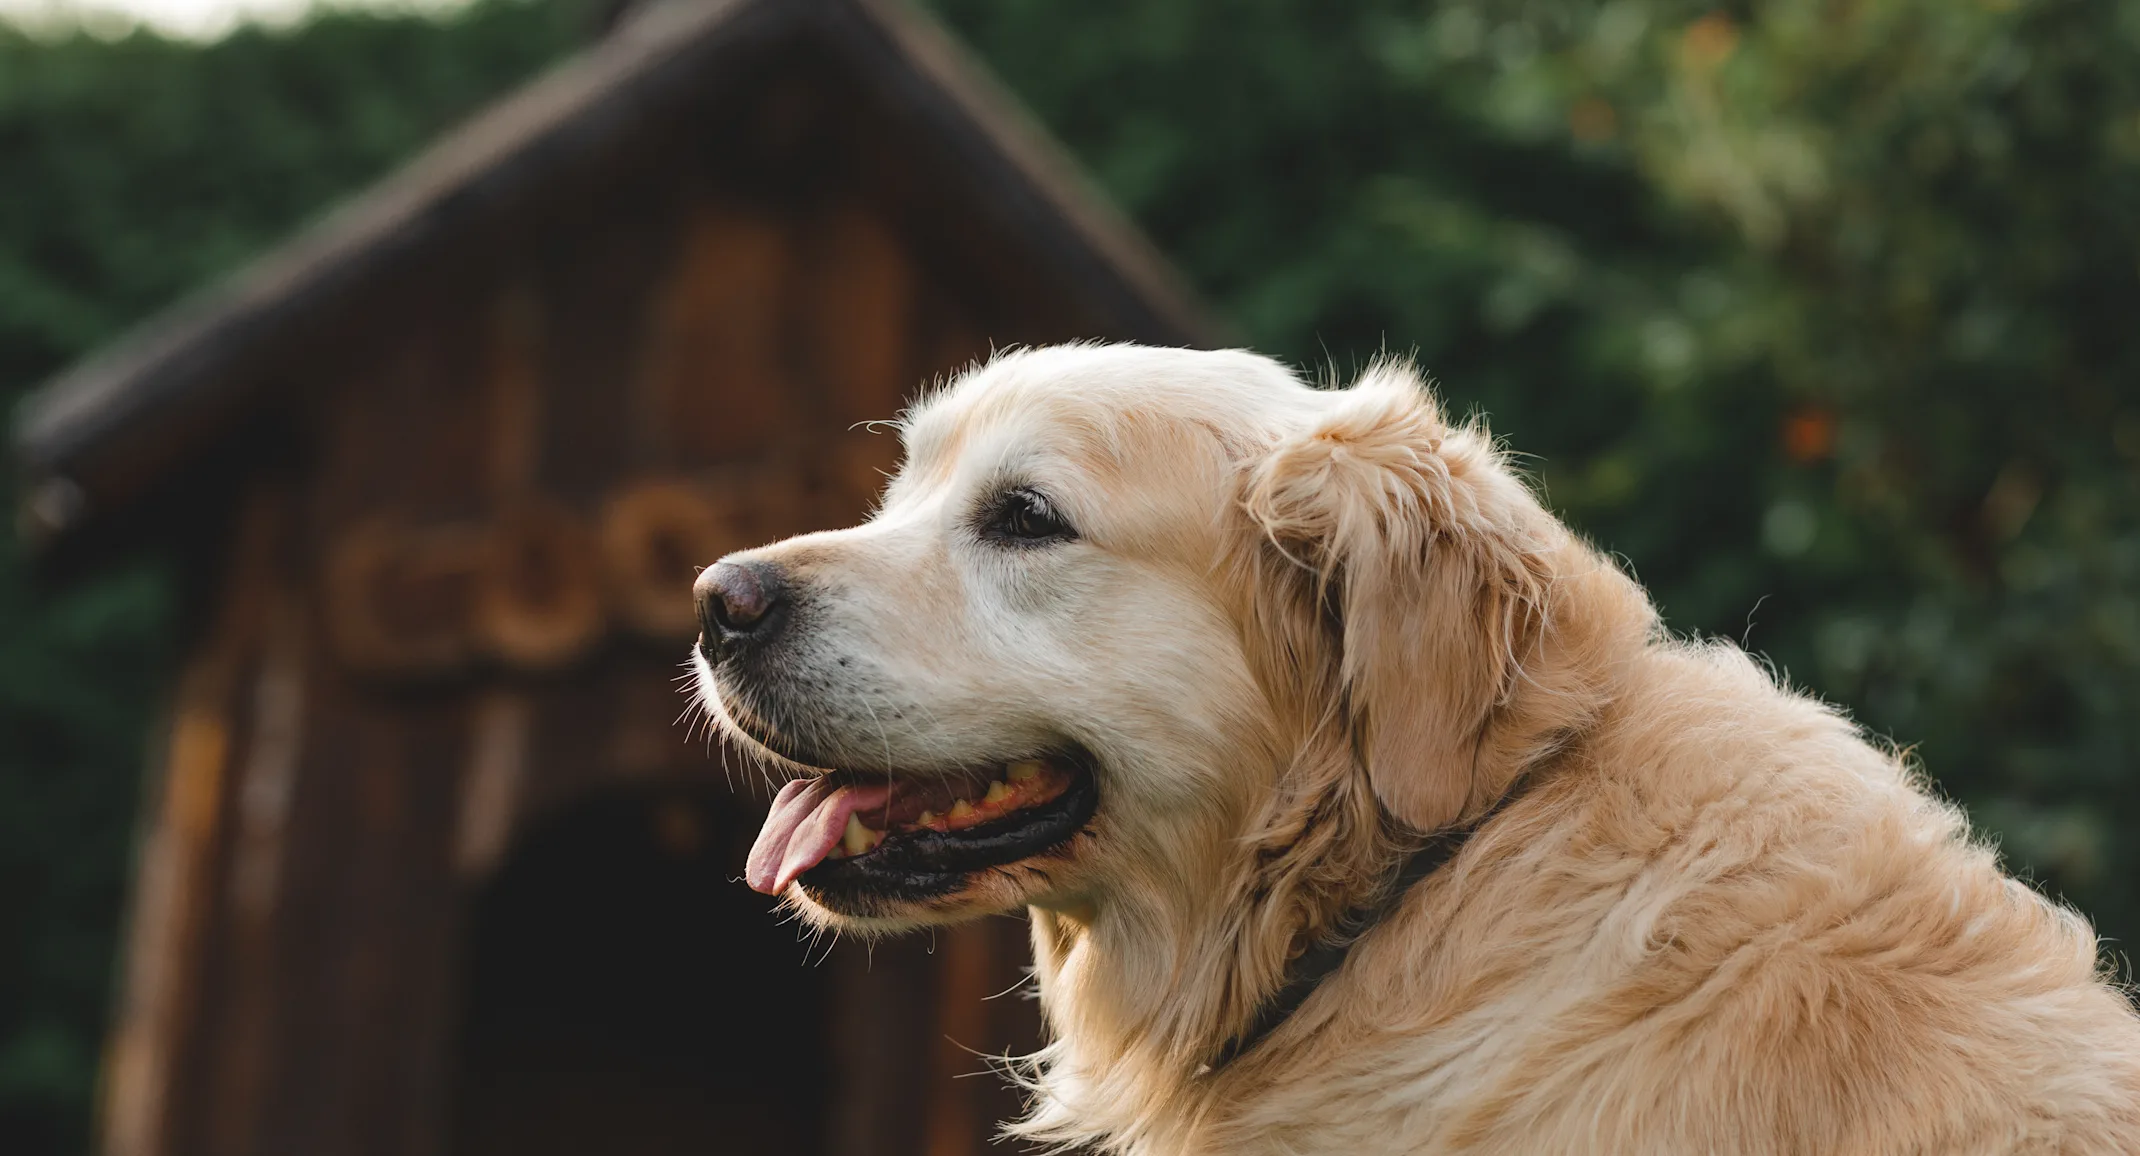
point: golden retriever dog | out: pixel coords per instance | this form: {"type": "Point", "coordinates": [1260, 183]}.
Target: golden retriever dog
{"type": "Point", "coordinates": [1360, 807]}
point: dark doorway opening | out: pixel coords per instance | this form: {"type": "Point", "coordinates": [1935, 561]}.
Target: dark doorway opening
{"type": "Point", "coordinates": [622, 995]}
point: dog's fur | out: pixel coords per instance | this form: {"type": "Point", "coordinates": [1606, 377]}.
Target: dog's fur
{"type": "Point", "coordinates": [1297, 628]}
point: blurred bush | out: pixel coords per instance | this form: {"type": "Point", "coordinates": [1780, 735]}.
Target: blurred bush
{"type": "Point", "coordinates": [1823, 314]}
{"type": "Point", "coordinates": [1817, 312]}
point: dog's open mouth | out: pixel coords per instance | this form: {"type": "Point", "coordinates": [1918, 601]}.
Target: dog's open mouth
{"type": "Point", "coordinates": [852, 832]}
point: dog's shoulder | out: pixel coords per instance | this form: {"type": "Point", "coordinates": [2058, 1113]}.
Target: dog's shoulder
{"type": "Point", "coordinates": [1735, 925]}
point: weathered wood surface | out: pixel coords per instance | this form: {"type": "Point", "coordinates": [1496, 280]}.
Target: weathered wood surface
{"type": "Point", "coordinates": [158, 1010]}
{"type": "Point", "coordinates": [803, 80]}
{"type": "Point", "coordinates": [458, 615]}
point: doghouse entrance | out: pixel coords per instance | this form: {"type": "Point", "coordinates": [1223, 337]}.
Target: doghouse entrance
{"type": "Point", "coordinates": [622, 995]}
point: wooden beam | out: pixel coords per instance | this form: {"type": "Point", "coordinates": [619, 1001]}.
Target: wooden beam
{"type": "Point", "coordinates": [251, 980]}
{"type": "Point", "coordinates": [494, 780]}
{"type": "Point", "coordinates": [957, 1122]}
{"type": "Point", "coordinates": [173, 898]}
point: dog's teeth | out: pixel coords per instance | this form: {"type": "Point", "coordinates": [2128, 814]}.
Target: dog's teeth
{"type": "Point", "coordinates": [927, 817]}
{"type": "Point", "coordinates": [997, 792]}
{"type": "Point", "coordinates": [961, 810]}
{"type": "Point", "coordinates": [857, 838]}
{"type": "Point", "coordinates": [1024, 770]}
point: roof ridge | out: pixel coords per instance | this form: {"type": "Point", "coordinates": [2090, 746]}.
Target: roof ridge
{"type": "Point", "coordinates": [64, 426]}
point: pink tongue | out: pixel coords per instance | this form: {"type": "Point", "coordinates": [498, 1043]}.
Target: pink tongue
{"type": "Point", "coordinates": [806, 822]}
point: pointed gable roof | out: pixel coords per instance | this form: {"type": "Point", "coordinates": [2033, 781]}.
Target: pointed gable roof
{"type": "Point", "coordinates": [90, 441]}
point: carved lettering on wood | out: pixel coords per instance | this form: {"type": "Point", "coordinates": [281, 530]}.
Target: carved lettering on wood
{"type": "Point", "coordinates": [542, 583]}
{"type": "Point", "coordinates": [540, 603]}
{"type": "Point", "coordinates": [656, 536]}
{"type": "Point", "coordinates": [401, 599]}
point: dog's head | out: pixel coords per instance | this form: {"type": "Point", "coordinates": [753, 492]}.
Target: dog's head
{"type": "Point", "coordinates": [1127, 619]}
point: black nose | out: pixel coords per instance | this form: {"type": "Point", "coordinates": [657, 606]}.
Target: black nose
{"type": "Point", "coordinates": [738, 603]}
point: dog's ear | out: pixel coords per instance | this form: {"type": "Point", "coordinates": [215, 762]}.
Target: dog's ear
{"type": "Point", "coordinates": [1426, 560]}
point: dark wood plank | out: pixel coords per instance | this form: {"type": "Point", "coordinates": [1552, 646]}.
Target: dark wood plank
{"type": "Point", "coordinates": [713, 358]}
{"type": "Point", "coordinates": [165, 1030]}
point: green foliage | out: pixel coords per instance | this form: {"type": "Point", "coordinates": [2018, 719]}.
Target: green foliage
{"type": "Point", "coordinates": [75, 675]}
{"type": "Point", "coordinates": [135, 170]}
{"type": "Point", "coordinates": [1815, 311]}
{"type": "Point", "coordinates": [1819, 313]}
{"type": "Point", "coordinates": [131, 171]}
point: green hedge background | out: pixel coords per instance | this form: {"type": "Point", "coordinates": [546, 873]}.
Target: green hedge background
{"type": "Point", "coordinates": [1822, 314]}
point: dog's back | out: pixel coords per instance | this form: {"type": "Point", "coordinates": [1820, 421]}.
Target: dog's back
{"type": "Point", "coordinates": [1726, 923]}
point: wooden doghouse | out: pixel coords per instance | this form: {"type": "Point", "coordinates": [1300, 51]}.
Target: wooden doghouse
{"type": "Point", "coordinates": [427, 864]}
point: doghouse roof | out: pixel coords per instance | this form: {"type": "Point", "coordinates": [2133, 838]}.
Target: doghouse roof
{"type": "Point", "coordinates": [96, 438]}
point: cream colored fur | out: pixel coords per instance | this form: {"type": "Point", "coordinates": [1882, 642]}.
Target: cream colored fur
{"type": "Point", "coordinates": [1300, 626]}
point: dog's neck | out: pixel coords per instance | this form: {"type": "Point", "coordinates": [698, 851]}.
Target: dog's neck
{"type": "Point", "coordinates": [1141, 991]}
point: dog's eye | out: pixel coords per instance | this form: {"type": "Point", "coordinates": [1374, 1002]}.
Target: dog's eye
{"type": "Point", "coordinates": [1022, 516]}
